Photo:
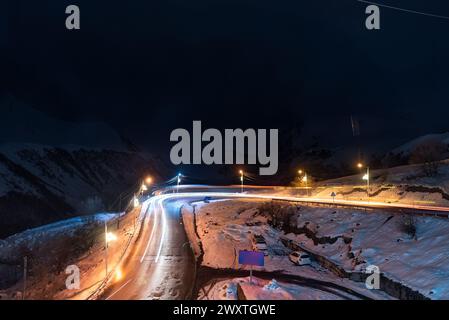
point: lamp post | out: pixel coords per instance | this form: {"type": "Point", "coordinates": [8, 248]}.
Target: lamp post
{"type": "Point", "coordinates": [108, 237]}
{"type": "Point", "coordinates": [367, 178]}
{"type": "Point", "coordinates": [136, 202]}
{"type": "Point", "coordinates": [305, 179]}
{"type": "Point", "coordinates": [179, 181]}
{"type": "Point", "coordinates": [25, 272]}
{"type": "Point", "coordinates": [106, 248]}
{"type": "Point", "coordinates": [360, 166]}
{"type": "Point", "coordinates": [146, 183]}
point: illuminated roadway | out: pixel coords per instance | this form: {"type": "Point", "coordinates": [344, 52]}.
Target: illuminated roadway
{"type": "Point", "coordinates": [160, 263]}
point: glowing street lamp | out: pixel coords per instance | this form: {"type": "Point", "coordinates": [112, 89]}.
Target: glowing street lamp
{"type": "Point", "coordinates": [136, 202]}
{"type": "Point", "coordinates": [179, 181]}
{"type": "Point", "coordinates": [145, 183]}
{"type": "Point", "coordinates": [118, 274]}
{"type": "Point", "coordinates": [360, 167]}
{"type": "Point", "coordinates": [241, 181]}
{"type": "Point", "coordinates": [366, 177]}
{"type": "Point", "coordinates": [108, 237]}
{"type": "Point", "coordinates": [305, 179]}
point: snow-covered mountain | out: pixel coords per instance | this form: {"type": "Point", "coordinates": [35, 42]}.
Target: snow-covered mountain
{"type": "Point", "coordinates": [434, 146]}
{"type": "Point", "coordinates": [408, 147]}
{"type": "Point", "coordinates": [51, 169]}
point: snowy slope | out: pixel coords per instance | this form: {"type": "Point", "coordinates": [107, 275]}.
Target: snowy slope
{"type": "Point", "coordinates": [408, 147]}
{"type": "Point", "coordinates": [52, 169]}
{"type": "Point", "coordinates": [40, 184]}
{"type": "Point", "coordinates": [404, 184]}
{"type": "Point", "coordinates": [376, 238]}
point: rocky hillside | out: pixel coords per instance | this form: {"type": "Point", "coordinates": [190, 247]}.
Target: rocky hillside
{"type": "Point", "coordinates": [41, 184]}
{"type": "Point", "coordinates": [52, 169]}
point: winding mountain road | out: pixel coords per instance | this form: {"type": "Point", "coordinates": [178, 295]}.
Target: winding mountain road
{"type": "Point", "coordinates": [160, 263]}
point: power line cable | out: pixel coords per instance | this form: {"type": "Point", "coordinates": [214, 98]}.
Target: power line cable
{"type": "Point", "coordinates": [405, 10]}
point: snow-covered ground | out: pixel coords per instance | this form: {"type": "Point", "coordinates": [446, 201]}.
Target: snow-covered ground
{"type": "Point", "coordinates": [420, 263]}
{"type": "Point", "coordinates": [377, 238]}
{"type": "Point", "coordinates": [404, 184]}
{"type": "Point", "coordinates": [261, 289]}
{"type": "Point", "coordinates": [225, 227]}
{"type": "Point", "coordinates": [78, 241]}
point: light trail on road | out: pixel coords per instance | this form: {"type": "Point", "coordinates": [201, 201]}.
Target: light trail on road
{"type": "Point", "coordinates": [160, 252]}
{"type": "Point", "coordinates": [164, 229]}
{"type": "Point", "coordinates": [152, 230]}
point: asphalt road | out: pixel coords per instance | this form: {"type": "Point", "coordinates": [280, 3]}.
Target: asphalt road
{"type": "Point", "coordinates": [161, 265]}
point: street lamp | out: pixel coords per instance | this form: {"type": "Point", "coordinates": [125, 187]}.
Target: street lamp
{"type": "Point", "coordinates": [366, 177]}
{"type": "Point", "coordinates": [136, 202]}
{"type": "Point", "coordinates": [146, 182]}
{"type": "Point", "coordinates": [179, 181]}
{"type": "Point", "coordinates": [118, 274]}
{"type": "Point", "coordinates": [360, 166]}
{"type": "Point", "coordinates": [241, 181]}
{"type": "Point", "coordinates": [305, 179]}
{"type": "Point", "coordinates": [108, 237]}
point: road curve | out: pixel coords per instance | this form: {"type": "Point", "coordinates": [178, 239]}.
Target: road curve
{"type": "Point", "coordinates": [160, 264]}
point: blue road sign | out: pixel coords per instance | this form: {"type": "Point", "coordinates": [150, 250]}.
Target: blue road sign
{"type": "Point", "coordinates": [251, 258]}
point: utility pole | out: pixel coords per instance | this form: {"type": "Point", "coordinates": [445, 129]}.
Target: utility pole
{"type": "Point", "coordinates": [179, 181]}
{"type": "Point", "coordinates": [306, 180]}
{"type": "Point", "coordinates": [251, 275]}
{"type": "Point", "coordinates": [367, 181]}
{"type": "Point", "coordinates": [25, 267]}
{"type": "Point", "coordinates": [367, 178]}
{"type": "Point", "coordinates": [307, 185]}
{"type": "Point", "coordinates": [106, 247]}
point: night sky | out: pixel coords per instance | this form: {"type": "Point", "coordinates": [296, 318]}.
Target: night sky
{"type": "Point", "coordinates": [148, 67]}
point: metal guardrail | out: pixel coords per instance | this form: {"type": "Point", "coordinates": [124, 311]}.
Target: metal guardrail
{"type": "Point", "coordinates": [413, 211]}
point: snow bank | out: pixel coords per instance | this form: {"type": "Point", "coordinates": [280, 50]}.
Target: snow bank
{"type": "Point", "coordinates": [226, 227]}
{"type": "Point", "coordinates": [45, 234]}
{"type": "Point", "coordinates": [260, 289]}
{"type": "Point", "coordinates": [377, 238]}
